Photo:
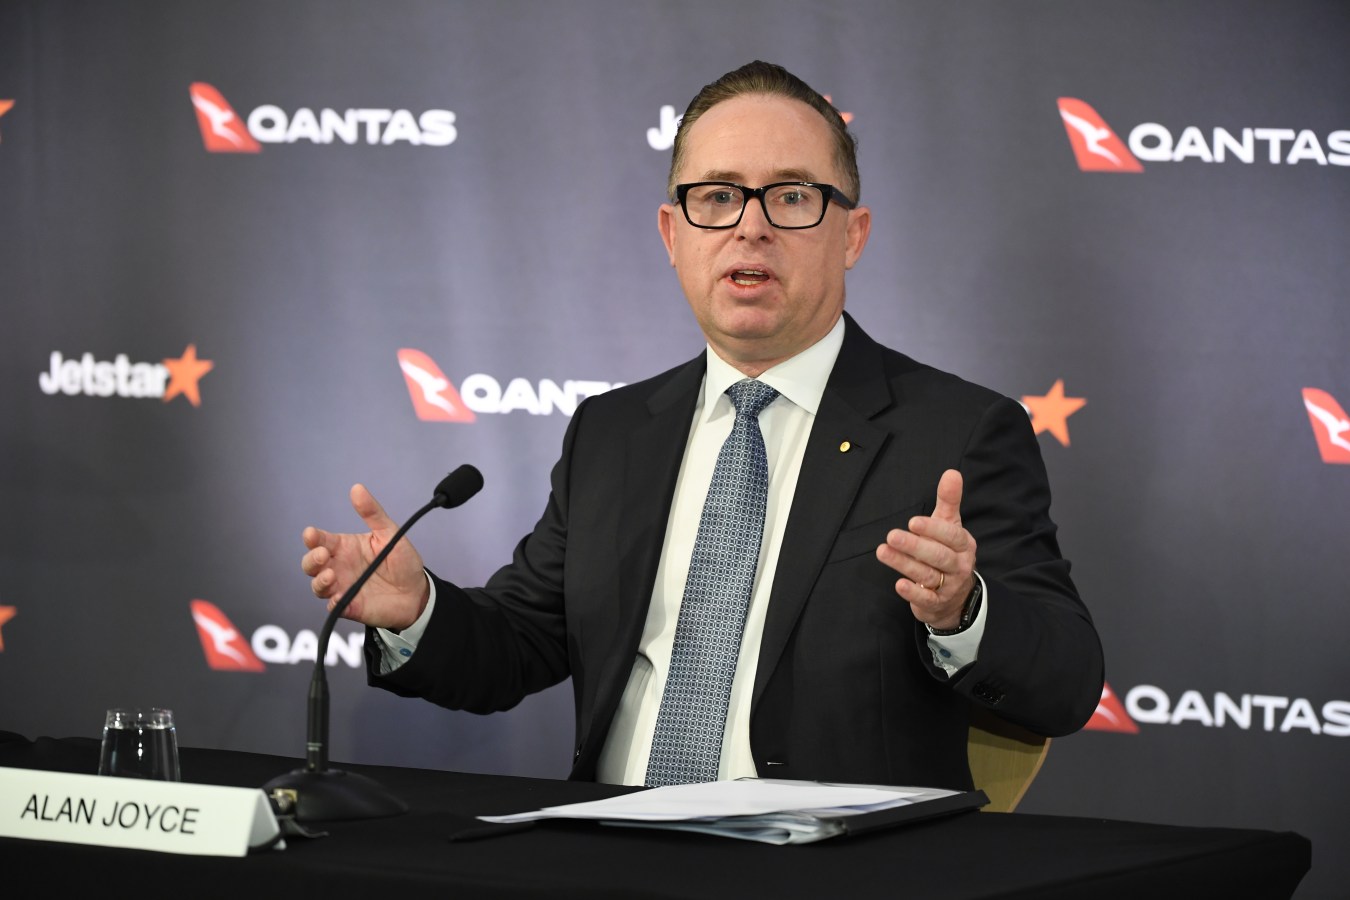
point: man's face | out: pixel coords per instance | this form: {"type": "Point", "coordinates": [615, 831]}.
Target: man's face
{"type": "Point", "coordinates": [762, 294]}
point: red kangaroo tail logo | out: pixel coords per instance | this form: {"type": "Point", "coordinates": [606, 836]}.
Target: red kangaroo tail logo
{"type": "Point", "coordinates": [1094, 143]}
{"type": "Point", "coordinates": [1110, 715]}
{"type": "Point", "coordinates": [434, 398]}
{"type": "Point", "coordinates": [1330, 424]}
{"type": "Point", "coordinates": [222, 130]}
{"type": "Point", "coordinates": [224, 646]}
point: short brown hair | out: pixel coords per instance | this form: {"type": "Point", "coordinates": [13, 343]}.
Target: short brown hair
{"type": "Point", "coordinates": [766, 78]}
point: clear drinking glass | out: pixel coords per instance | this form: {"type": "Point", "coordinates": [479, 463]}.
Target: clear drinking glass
{"type": "Point", "coordinates": [140, 744]}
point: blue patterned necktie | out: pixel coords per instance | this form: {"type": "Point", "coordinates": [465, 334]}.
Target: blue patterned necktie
{"type": "Point", "coordinates": [687, 744]}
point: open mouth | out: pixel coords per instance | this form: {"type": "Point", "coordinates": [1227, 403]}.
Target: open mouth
{"type": "Point", "coordinates": [749, 276]}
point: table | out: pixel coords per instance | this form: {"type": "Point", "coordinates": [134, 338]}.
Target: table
{"type": "Point", "coordinates": [969, 855]}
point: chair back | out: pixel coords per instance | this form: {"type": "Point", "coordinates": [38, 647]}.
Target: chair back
{"type": "Point", "coordinates": [1004, 759]}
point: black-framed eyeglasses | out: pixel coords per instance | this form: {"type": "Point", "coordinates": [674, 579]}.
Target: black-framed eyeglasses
{"type": "Point", "coordinates": [786, 204]}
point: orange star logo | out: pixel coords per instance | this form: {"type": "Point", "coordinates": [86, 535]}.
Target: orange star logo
{"type": "Point", "coordinates": [1051, 412]}
{"type": "Point", "coordinates": [184, 373]}
{"type": "Point", "coordinates": [847, 117]}
{"type": "Point", "coordinates": [6, 106]}
{"type": "Point", "coordinates": [6, 613]}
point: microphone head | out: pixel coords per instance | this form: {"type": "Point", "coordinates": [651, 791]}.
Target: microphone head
{"type": "Point", "coordinates": [457, 487]}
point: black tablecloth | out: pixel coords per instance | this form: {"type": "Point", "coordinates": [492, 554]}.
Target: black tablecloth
{"type": "Point", "coordinates": [971, 855]}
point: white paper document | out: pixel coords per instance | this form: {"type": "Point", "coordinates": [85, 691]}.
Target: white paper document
{"type": "Point", "coordinates": [779, 812]}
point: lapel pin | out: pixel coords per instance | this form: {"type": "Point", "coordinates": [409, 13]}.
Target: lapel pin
{"type": "Point", "coordinates": [845, 447]}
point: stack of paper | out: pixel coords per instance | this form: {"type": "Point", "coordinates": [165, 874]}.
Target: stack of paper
{"type": "Point", "coordinates": [773, 812]}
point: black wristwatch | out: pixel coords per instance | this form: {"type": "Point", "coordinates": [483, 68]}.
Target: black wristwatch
{"type": "Point", "coordinates": [968, 612]}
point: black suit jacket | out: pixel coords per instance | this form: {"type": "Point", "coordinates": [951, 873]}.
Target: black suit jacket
{"type": "Point", "coordinates": [846, 689]}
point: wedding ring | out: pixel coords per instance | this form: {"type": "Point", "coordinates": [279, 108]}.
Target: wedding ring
{"type": "Point", "coordinates": [942, 577]}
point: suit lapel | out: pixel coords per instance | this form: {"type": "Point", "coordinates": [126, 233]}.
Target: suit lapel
{"type": "Point", "coordinates": [652, 456]}
{"type": "Point", "coordinates": [827, 486]}
{"type": "Point", "coordinates": [651, 468]}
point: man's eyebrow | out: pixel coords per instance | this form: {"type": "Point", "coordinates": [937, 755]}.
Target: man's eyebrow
{"type": "Point", "coordinates": [738, 178]}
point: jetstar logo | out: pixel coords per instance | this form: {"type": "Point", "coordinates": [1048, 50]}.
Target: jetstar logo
{"type": "Point", "coordinates": [223, 131]}
{"type": "Point", "coordinates": [226, 650]}
{"type": "Point", "coordinates": [1050, 411]}
{"type": "Point", "coordinates": [435, 398]}
{"type": "Point", "coordinates": [121, 377]}
{"type": "Point", "coordinates": [1098, 149]}
{"type": "Point", "coordinates": [1330, 425]}
{"type": "Point", "coordinates": [5, 106]}
{"type": "Point", "coordinates": [1149, 704]}
{"type": "Point", "coordinates": [662, 137]}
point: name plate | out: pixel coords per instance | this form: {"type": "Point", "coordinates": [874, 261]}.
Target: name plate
{"type": "Point", "coordinates": [165, 816]}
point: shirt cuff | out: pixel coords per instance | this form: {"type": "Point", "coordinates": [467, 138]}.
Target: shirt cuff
{"type": "Point", "coordinates": [398, 648]}
{"type": "Point", "coordinates": [953, 653]}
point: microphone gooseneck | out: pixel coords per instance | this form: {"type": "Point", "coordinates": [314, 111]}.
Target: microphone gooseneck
{"type": "Point", "coordinates": [324, 794]}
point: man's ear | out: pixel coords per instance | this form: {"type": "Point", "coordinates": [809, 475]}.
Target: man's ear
{"type": "Point", "coordinates": [856, 233]}
{"type": "Point", "coordinates": [666, 222]}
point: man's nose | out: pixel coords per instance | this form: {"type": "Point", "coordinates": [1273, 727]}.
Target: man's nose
{"type": "Point", "coordinates": [754, 224]}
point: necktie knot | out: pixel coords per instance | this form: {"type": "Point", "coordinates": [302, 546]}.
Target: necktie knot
{"type": "Point", "coordinates": [750, 397]}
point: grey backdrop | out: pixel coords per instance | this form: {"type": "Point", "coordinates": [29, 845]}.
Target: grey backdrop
{"type": "Point", "coordinates": [1189, 304]}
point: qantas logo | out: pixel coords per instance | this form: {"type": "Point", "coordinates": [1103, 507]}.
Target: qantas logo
{"type": "Point", "coordinates": [1098, 149]}
{"type": "Point", "coordinates": [5, 106]}
{"type": "Point", "coordinates": [1330, 424]}
{"type": "Point", "coordinates": [221, 642]}
{"type": "Point", "coordinates": [6, 613]}
{"type": "Point", "coordinates": [435, 398]}
{"type": "Point", "coordinates": [223, 131]}
{"type": "Point", "coordinates": [1094, 143]}
{"type": "Point", "coordinates": [1151, 705]}
{"type": "Point", "coordinates": [121, 377]}
{"type": "Point", "coordinates": [227, 651]}
{"type": "Point", "coordinates": [1110, 715]}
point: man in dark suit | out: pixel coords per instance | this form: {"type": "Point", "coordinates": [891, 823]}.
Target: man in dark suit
{"type": "Point", "coordinates": [873, 466]}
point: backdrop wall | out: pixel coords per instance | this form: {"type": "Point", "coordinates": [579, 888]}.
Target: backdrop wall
{"type": "Point", "coordinates": [225, 226]}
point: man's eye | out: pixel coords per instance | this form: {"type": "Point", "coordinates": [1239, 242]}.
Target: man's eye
{"type": "Point", "coordinates": [723, 198]}
{"type": "Point", "coordinates": [791, 198]}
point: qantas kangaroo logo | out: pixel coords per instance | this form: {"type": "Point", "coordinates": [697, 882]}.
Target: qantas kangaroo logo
{"type": "Point", "coordinates": [434, 398]}
{"type": "Point", "coordinates": [1094, 143]}
{"type": "Point", "coordinates": [1110, 715]}
{"type": "Point", "coordinates": [222, 130]}
{"type": "Point", "coordinates": [225, 648]}
{"type": "Point", "coordinates": [1330, 424]}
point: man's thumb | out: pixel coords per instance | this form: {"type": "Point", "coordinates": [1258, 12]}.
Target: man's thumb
{"type": "Point", "coordinates": [370, 511]}
{"type": "Point", "coordinates": [949, 490]}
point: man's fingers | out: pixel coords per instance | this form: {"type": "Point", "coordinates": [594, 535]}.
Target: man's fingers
{"type": "Point", "coordinates": [948, 534]}
{"type": "Point", "coordinates": [371, 512]}
{"type": "Point", "coordinates": [902, 546]}
{"type": "Point", "coordinates": [948, 507]}
{"type": "Point", "coordinates": [322, 584]}
{"type": "Point", "coordinates": [314, 538]}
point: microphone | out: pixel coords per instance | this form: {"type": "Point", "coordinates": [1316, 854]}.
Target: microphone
{"type": "Point", "coordinates": [321, 794]}
{"type": "Point", "coordinates": [456, 488]}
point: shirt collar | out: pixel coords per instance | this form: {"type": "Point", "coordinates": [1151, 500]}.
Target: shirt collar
{"type": "Point", "coordinates": [801, 378]}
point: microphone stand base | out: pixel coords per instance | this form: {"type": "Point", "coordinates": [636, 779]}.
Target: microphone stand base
{"type": "Point", "coordinates": [333, 795]}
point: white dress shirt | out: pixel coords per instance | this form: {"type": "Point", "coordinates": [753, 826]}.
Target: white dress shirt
{"type": "Point", "coordinates": [786, 426]}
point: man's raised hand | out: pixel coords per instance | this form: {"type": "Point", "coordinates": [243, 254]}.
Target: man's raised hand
{"type": "Point", "coordinates": [936, 558]}
{"type": "Point", "coordinates": [396, 593]}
